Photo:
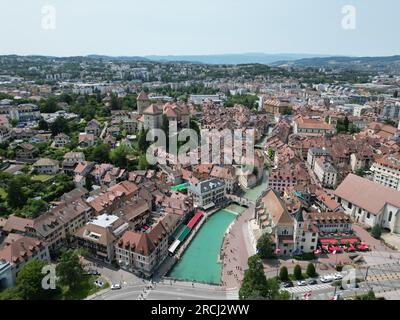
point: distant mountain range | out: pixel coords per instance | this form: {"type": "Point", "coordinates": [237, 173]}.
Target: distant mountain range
{"type": "Point", "coordinates": [240, 58]}
{"type": "Point", "coordinates": [354, 63]}
{"type": "Point", "coordinates": [384, 64]}
{"type": "Point", "coordinates": [295, 60]}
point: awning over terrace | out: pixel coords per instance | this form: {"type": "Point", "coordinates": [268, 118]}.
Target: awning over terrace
{"type": "Point", "coordinates": [194, 220]}
{"type": "Point", "coordinates": [328, 241]}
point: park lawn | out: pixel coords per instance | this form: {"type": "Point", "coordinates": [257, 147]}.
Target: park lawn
{"type": "Point", "coordinates": [87, 288]}
{"type": "Point", "coordinates": [42, 178]}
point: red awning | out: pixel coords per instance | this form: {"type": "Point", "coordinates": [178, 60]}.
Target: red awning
{"type": "Point", "coordinates": [328, 241]}
{"type": "Point", "coordinates": [349, 240]}
{"type": "Point", "coordinates": [194, 220]}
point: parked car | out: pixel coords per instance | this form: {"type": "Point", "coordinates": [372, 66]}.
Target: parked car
{"type": "Point", "coordinates": [337, 276]}
{"type": "Point", "coordinates": [312, 282]}
{"type": "Point", "coordinates": [116, 286]}
{"type": "Point", "coordinates": [288, 284]}
{"type": "Point", "coordinates": [326, 279]}
{"type": "Point", "coordinates": [301, 283]}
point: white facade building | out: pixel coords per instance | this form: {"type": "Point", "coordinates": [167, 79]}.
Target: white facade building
{"type": "Point", "coordinates": [369, 202]}
{"type": "Point", "coordinates": [386, 171]}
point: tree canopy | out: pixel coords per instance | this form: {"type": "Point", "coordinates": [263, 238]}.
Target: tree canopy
{"type": "Point", "coordinates": [69, 270]}
{"type": "Point", "coordinates": [265, 247]}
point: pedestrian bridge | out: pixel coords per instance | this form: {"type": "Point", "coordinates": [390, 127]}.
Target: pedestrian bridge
{"type": "Point", "coordinates": [241, 201]}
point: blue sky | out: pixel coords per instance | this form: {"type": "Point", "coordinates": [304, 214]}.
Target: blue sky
{"type": "Point", "coordinates": [147, 27]}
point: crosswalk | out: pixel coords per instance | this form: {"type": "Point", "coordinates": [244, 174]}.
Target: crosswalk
{"type": "Point", "coordinates": [232, 294]}
{"type": "Point", "coordinates": [302, 289]}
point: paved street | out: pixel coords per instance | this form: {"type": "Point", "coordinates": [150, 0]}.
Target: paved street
{"type": "Point", "coordinates": [167, 291]}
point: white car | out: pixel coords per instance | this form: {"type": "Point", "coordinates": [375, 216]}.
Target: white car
{"type": "Point", "coordinates": [326, 279]}
{"type": "Point", "coordinates": [338, 276]}
{"type": "Point", "coordinates": [301, 283]}
{"type": "Point", "coordinates": [116, 286]}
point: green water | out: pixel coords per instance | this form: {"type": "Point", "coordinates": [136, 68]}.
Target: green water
{"type": "Point", "coordinates": [199, 262]}
{"type": "Point", "coordinates": [235, 209]}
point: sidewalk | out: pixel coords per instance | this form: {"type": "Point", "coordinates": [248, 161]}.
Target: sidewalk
{"type": "Point", "coordinates": [235, 251]}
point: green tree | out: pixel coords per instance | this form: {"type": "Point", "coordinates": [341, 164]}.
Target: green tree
{"type": "Point", "coordinates": [273, 285]}
{"type": "Point", "coordinates": [360, 172]}
{"type": "Point", "coordinates": [376, 231]}
{"type": "Point", "coordinates": [297, 272]}
{"type": "Point", "coordinates": [16, 196]}
{"type": "Point", "coordinates": [14, 122]}
{"type": "Point", "coordinates": [143, 164]}
{"type": "Point", "coordinates": [353, 129]}
{"type": "Point", "coordinates": [283, 274]}
{"type": "Point", "coordinates": [65, 97]}
{"type": "Point", "coordinates": [29, 281]}
{"type": "Point", "coordinates": [60, 125]}
{"type": "Point", "coordinates": [49, 106]}
{"type": "Point", "coordinates": [265, 246]}
{"type": "Point", "coordinates": [254, 284]}
{"type": "Point", "coordinates": [271, 154]}
{"type": "Point", "coordinates": [118, 156]}
{"type": "Point", "coordinates": [287, 111]}
{"type": "Point", "coordinates": [115, 103]}
{"type": "Point", "coordinates": [311, 270]}
{"type": "Point", "coordinates": [42, 125]}
{"type": "Point", "coordinates": [346, 123]}
{"type": "Point", "coordinates": [143, 144]}
{"type": "Point", "coordinates": [99, 153]}
{"type": "Point", "coordinates": [69, 270]}
{"type": "Point", "coordinates": [10, 294]}
{"type": "Point", "coordinates": [33, 208]}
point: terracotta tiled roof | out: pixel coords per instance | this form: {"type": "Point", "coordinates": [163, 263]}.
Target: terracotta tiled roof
{"type": "Point", "coordinates": [19, 248]}
{"type": "Point", "coordinates": [366, 194]}
{"type": "Point", "coordinates": [276, 208]}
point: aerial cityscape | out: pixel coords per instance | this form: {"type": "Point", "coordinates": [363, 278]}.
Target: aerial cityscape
{"type": "Point", "coordinates": [173, 176]}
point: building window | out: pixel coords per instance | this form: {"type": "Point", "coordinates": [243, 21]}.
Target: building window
{"type": "Point", "coordinates": [390, 216]}
{"type": "Point", "coordinates": [350, 205]}
{"type": "Point", "coordinates": [368, 215]}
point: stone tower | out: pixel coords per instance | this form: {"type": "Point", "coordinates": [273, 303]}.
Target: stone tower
{"type": "Point", "coordinates": [143, 102]}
